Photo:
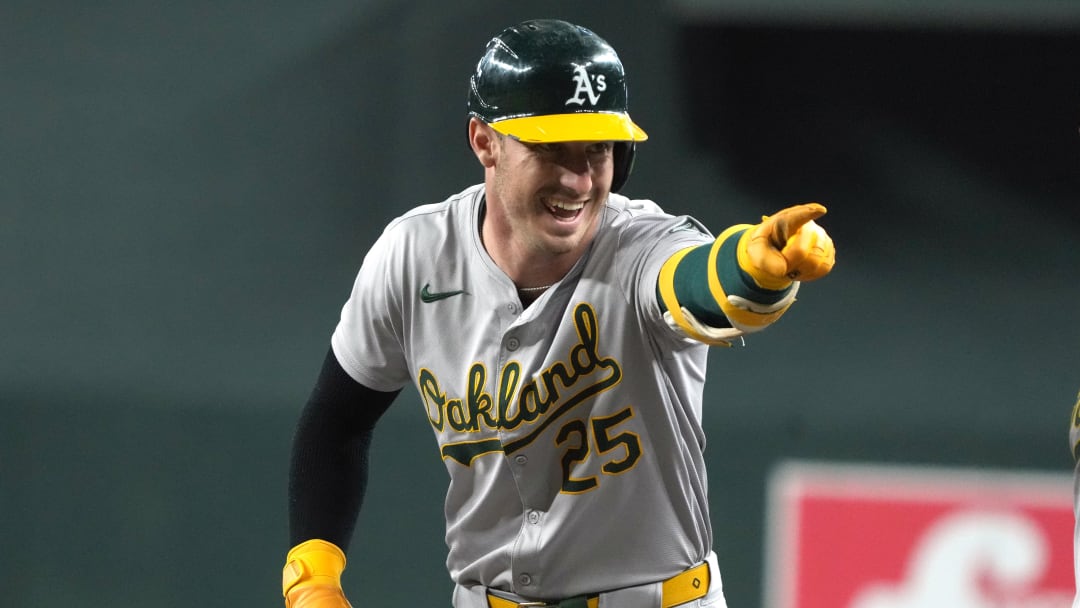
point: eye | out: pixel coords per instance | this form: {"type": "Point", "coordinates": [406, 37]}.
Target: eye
{"type": "Point", "coordinates": [600, 148]}
{"type": "Point", "coordinates": [548, 149]}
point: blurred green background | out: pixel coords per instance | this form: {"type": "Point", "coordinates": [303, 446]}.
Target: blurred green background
{"type": "Point", "coordinates": [188, 188]}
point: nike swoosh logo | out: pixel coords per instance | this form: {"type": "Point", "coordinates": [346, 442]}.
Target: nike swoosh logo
{"type": "Point", "coordinates": [685, 226]}
{"type": "Point", "coordinates": [427, 296]}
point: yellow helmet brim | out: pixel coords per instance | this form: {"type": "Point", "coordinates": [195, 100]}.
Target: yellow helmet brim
{"type": "Point", "coordinates": [582, 126]}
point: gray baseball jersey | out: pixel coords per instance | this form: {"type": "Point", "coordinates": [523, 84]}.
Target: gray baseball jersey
{"type": "Point", "coordinates": [571, 429]}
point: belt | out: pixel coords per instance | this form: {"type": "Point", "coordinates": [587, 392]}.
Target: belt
{"type": "Point", "coordinates": [685, 586]}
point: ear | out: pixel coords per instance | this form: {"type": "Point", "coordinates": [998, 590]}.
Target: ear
{"type": "Point", "coordinates": [483, 141]}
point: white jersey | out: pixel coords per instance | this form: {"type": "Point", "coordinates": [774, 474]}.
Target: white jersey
{"type": "Point", "coordinates": [571, 429]}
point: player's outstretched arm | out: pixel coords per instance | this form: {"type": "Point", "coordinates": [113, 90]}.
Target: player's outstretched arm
{"type": "Point", "coordinates": [327, 481]}
{"type": "Point", "coordinates": [747, 278]}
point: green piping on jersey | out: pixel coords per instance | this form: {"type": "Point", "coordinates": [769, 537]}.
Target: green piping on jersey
{"type": "Point", "coordinates": [465, 452]}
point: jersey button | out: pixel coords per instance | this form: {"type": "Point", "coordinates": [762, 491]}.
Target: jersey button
{"type": "Point", "coordinates": [512, 308]}
{"type": "Point", "coordinates": [534, 517]}
{"type": "Point", "coordinates": [521, 459]}
{"type": "Point", "coordinates": [524, 579]}
{"type": "Point", "coordinates": [513, 344]}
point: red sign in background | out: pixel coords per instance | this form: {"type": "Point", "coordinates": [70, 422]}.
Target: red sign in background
{"type": "Point", "coordinates": [853, 536]}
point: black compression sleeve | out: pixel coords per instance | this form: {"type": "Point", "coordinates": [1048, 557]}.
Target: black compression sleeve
{"type": "Point", "coordinates": [329, 461]}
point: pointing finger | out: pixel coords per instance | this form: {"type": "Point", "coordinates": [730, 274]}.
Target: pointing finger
{"type": "Point", "coordinates": [787, 222]}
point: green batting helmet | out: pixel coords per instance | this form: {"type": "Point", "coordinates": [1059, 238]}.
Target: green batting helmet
{"type": "Point", "coordinates": [546, 80]}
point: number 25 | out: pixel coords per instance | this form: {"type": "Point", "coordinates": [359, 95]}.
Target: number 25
{"type": "Point", "coordinates": [602, 428]}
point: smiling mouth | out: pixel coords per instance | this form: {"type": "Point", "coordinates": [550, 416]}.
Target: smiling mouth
{"type": "Point", "coordinates": [564, 209]}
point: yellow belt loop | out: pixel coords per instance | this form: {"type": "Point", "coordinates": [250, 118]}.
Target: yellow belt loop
{"type": "Point", "coordinates": [687, 586]}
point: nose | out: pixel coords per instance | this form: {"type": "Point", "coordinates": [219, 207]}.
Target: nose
{"type": "Point", "coordinates": [577, 173]}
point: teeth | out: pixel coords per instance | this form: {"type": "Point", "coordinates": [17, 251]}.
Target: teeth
{"type": "Point", "coordinates": [566, 205]}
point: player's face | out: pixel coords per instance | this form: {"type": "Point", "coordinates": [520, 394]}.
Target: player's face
{"type": "Point", "coordinates": [550, 196]}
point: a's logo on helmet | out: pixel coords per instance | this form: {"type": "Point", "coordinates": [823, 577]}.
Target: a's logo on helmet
{"type": "Point", "coordinates": [583, 81]}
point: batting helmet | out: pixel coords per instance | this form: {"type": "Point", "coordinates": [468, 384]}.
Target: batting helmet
{"type": "Point", "coordinates": [546, 80]}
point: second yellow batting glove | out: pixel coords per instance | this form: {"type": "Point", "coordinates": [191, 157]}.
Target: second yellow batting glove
{"type": "Point", "coordinates": [312, 576]}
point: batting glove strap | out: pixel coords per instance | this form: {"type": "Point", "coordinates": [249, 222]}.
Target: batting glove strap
{"type": "Point", "coordinates": [313, 562]}
{"type": "Point", "coordinates": [685, 323]}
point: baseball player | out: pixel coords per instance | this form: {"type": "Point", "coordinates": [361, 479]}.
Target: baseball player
{"type": "Point", "coordinates": [557, 333]}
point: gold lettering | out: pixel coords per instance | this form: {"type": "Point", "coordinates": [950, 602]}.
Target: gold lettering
{"type": "Point", "coordinates": [555, 387]}
{"type": "Point", "coordinates": [430, 392]}
{"type": "Point", "coordinates": [457, 416]}
{"type": "Point", "coordinates": [479, 400]}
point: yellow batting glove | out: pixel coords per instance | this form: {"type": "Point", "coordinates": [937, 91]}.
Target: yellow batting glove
{"type": "Point", "coordinates": [787, 246]}
{"type": "Point", "coordinates": [312, 576]}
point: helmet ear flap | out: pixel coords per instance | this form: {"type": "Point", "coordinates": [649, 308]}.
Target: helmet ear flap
{"type": "Point", "coordinates": [622, 156]}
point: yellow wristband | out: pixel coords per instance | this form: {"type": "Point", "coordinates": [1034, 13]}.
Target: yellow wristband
{"type": "Point", "coordinates": [714, 277]}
